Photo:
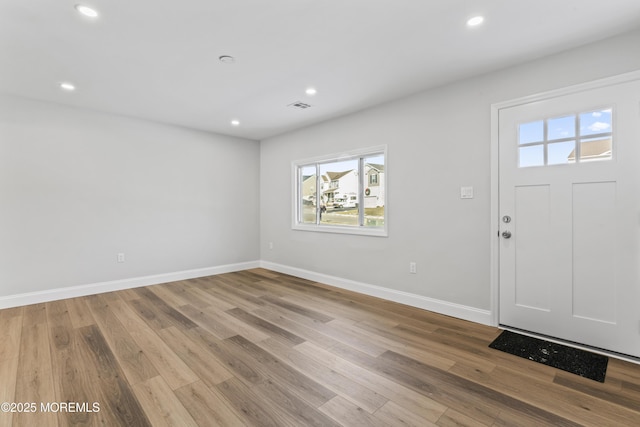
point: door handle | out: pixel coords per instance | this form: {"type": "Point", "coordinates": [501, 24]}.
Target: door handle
{"type": "Point", "coordinates": [506, 234]}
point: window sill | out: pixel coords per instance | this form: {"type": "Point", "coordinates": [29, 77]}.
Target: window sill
{"type": "Point", "coordinates": [361, 231]}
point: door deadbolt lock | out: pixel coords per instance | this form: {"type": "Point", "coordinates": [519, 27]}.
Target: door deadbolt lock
{"type": "Point", "coordinates": [506, 219]}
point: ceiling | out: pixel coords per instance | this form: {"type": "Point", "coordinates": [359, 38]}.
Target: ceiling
{"type": "Point", "coordinates": [158, 59]}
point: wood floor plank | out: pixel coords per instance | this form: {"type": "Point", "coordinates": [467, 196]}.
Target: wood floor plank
{"type": "Point", "coordinates": [298, 411]}
{"type": "Point", "coordinates": [233, 360]}
{"type": "Point", "coordinates": [579, 407]}
{"type": "Point", "coordinates": [307, 312]}
{"type": "Point", "coordinates": [144, 309]}
{"type": "Point", "coordinates": [74, 382]}
{"type": "Point", "coordinates": [250, 405]}
{"type": "Point", "coordinates": [207, 406]}
{"type": "Point", "coordinates": [453, 418]}
{"type": "Point", "coordinates": [118, 404]}
{"type": "Point", "coordinates": [10, 337]}
{"type": "Point", "coordinates": [168, 364]}
{"type": "Point", "coordinates": [359, 395]}
{"type": "Point", "coordinates": [134, 362]}
{"type": "Point", "coordinates": [449, 387]}
{"type": "Point", "coordinates": [162, 309]}
{"type": "Point", "coordinates": [402, 370]}
{"type": "Point", "coordinates": [183, 291]}
{"type": "Point", "coordinates": [273, 367]}
{"type": "Point", "coordinates": [35, 380]}
{"type": "Point", "coordinates": [79, 312]}
{"type": "Point", "coordinates": [161, 405]}
{"type": "Point", "coordinates": [264, 326]}
{"type": "Point", "coordinates": [392, 414]}
{"type": "Point", "coordinates": [347, 414]}
{"type": "Point", "coordinates": [211, 320]}
{"type": "Point", "coordinates": [405, 397]}
{"type": "Point", "coordinates": [173, 299]}
{"type": "Point", "coordinates": [234, 297]}
{"type": "Point", "coordinates": [35, 313]}
{"type": "Point", "coordinates": [208, 369]}
{"type": "Point", "coordinates": [207, 300]}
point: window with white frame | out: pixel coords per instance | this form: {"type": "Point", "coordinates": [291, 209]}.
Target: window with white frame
{"type": "Point", "coordinates": [342, 193]}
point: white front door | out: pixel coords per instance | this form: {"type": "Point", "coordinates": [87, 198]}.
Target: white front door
{"type": "Point", "coordinates": [569, 205]}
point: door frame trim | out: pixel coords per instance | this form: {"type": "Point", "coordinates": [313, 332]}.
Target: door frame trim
{"type": "Point", "coordinates": [495, 172]}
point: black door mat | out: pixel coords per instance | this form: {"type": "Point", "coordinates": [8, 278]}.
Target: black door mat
{"type": "Point", "coordinates": [576, 361]}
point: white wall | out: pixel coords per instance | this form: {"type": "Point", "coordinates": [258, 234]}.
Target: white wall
{"type": "Point", "coordinates": [438, 141]}
{"type": "Point", "coordinates": [78, 187]}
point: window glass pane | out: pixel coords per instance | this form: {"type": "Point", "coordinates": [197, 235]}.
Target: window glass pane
{"type": "Point", "coordinates": [339, 205]}
{"type": "Point", "coordinates": [562, 153]}
{"type": "Point", "coordinates": [531, 132]}
{"type": "Point", "coordinates": [308, 192]}
{"type": "Point", "coordinates": [331, 193]}
{"type": "Point", "coordinates": [374, 195]}
{"type": "Point", "coordinates": [561, 127]}
{"type": "Point", "coordinates": [595, 149]}
{"type": "Point", "coordinates": [531, 156]}
{"type": "Point", "coordinates": [595, 122]}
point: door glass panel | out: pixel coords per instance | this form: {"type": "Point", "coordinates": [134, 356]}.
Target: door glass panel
{"type": "Point", "coordinates": [562, 153]}
{"type": "Point", "coordinates": [531, 132]}
{"type": "Point", "coordinates": [595, 149]}
{"type": "Point", "coordinates": [531, 156]}
{"type": "Point", "coordinates": [595, 122]}
{"type": "Point", "coordinates": [554, 141]}
{"type": "Point", "coordinates": [561, 127]}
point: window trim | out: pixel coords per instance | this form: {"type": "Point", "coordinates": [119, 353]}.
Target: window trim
{"type": "Point", "coordinates": [359, 154]}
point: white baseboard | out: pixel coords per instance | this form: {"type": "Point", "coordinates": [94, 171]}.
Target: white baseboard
{"type": "Point", "coordinates": [117, 285]}
{"type": "Point", "coordinates": [443, 307]}
{"type": "Point", "coordinates": [438, 306]}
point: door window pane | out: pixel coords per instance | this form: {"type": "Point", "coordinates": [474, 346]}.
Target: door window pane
{"type": "Point", "coordinates": [531, 156]}
{"type": "Point", "coordinates": [595, 149]}
{"type": "Point", "coordinates": [562, 153]}
{"type": "Point", "coordinates": [595, 122]}
{"type": "Point", "coordinates": [531, 132]}
{"type": "Point", "coordinates": [561, 127]}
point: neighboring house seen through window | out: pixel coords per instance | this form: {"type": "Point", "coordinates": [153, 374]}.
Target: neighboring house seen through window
{"type": "Point", "coordinates": [343, 193]}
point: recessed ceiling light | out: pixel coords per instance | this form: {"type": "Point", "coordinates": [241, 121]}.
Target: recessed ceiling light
{"type": "Point", "coordinates": [227, 59]}
{"type": "Point", "coordinates": [475, 21]}
{"type": "Point", "coordinates": [311, 91]}
{"type": "Point", "coordinates": [86, 11]}
{"type": "Point", "coordinates": [67, 86]}
{"type": "Point", "coordinates": [235, 122]}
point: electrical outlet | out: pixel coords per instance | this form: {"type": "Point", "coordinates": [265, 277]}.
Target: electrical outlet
{"type": "Point", "coordinates": [413, 269]}
{"type": "Point", "coordinates": [120, 257]}
{"type": "Point", "coordinates": [270, 245]}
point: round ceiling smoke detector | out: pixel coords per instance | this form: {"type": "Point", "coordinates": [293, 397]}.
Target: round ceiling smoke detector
{"type": "Point", "coordinates": [227, 59]}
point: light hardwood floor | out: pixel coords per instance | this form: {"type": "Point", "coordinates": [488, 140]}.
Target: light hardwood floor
{"type": "Point", "coordinates": [260, 348]}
